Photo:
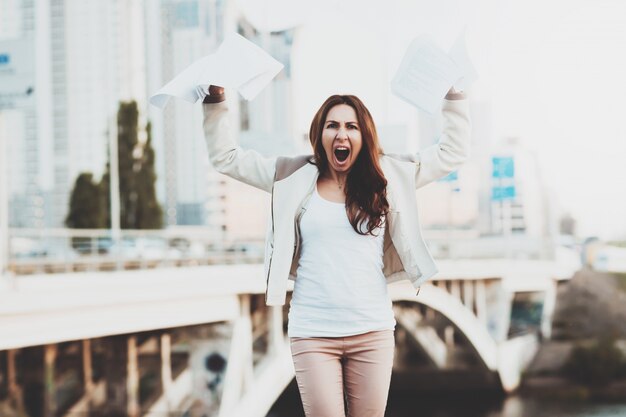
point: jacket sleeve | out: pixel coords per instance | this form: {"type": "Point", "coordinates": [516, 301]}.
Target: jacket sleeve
{"type": "Point", "coordinates": [245, 165]}
{"type": "Point", "coordinates": [453, 147]}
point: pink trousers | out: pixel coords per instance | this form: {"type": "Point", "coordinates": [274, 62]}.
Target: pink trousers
{"type": "Point", "coordinates": [357, 367]}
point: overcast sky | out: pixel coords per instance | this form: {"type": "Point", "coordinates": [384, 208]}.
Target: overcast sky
{"type": "Point", "coordinates": [554, 71]}
{"type": "Point", "coordinates": [568, 69]}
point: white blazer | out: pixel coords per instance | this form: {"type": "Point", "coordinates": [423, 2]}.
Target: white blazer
{"type": "Point", "coordinates": [291, 181]}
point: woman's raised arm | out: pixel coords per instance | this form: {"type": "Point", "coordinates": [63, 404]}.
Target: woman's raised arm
{"type": "Point", "coordinates": [245, 165]}
{"type": "Point", "coordinates": [453, 147]}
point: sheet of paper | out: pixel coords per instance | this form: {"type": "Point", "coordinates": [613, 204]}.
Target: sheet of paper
{"type": "Point", "coordinates": [238, 64]}
{"type": "Point", "coordinates": [275, 15]}
{"type": "Point", "coordinates": [425, 75]}
{"type": "Point", "coordinates": [459, 54]}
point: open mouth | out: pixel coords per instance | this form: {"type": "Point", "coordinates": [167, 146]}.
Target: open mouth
{"type": "Point", "coordinates": [342, 153]}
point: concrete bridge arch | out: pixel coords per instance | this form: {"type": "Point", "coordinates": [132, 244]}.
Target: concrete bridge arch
{"type": "Point", "coordinates": [465, 320]}
{"type": "Point", "coordinates": [507, 358]}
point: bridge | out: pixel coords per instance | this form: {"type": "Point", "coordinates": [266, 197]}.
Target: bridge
{"type": "Point", "coordinates": [145, 337]}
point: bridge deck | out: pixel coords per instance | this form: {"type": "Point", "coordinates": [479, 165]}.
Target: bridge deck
{"type": "Point", "coordinates": [53, 308]}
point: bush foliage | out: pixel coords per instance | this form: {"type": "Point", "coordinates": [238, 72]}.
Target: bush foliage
{"type": "Point", "coordinates": [596, 365]}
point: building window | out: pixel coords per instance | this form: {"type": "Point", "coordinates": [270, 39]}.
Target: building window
{"type": "Point", "coordinates": [186, 14]}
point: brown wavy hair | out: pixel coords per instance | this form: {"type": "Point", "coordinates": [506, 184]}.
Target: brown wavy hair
{"type": "Point", "coordinates": [366, 186]}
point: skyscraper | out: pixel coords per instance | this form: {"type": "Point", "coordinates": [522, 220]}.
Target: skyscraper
{"type": "Point", "coordinates": [87, 58]}
{"type": "Point", "coordinates": [178, 32]}
{"type": "Point", "coordinates": [26, 194]}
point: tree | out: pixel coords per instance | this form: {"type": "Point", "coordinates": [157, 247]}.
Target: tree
{"type": "Point", "coordinates": [149, 214]}
{"type": "Point", "coordinates": [139, 208]}
{"type": "Point", "coordinates": [596, 365]}
{"type": "Point", "coordinates": [85, 208]}
{"type": "Point", "coordinates": [105, 197]}
{"type": "Point", "coordinates": [127, 141]}
{"type": "Point", "coordinates": [86, 211]}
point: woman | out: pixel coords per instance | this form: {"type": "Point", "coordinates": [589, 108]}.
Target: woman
{"type": "Point", "coordinates": [343, 225]}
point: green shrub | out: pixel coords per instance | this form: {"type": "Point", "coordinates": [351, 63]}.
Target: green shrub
{"type": "Point", "coordinates": [595, 365]}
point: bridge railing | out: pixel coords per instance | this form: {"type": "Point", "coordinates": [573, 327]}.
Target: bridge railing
{"type": "Point", "coordinates": [66, 250]}
{"type": "Point", "coordinates": [469, 244]}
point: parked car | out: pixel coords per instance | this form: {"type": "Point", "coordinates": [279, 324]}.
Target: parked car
{"type": "Point", "coordinates": [23, 247]}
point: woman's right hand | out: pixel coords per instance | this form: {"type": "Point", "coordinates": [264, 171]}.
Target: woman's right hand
{"type": "Point", "coordinates": [215, 90]}
{"type": "Point", "coordinates": [216, 94]}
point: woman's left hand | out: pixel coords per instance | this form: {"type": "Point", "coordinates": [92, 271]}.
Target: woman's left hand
{"type": "Point", "coordinates": [454, 94]}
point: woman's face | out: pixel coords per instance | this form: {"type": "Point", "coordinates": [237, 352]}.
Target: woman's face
{"type": "Point", "coordinates": [341, 137]}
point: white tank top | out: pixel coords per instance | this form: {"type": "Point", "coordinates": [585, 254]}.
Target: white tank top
{"type": "Point", "coordinates": [340, 288]}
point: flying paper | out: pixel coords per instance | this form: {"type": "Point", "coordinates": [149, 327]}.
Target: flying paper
{"type": "Point", "coordinates": [459, 54]}
{"type": "Point", "coordinates": [238, 64]}
{"type": "Point", "coordinates": [275, 15]}
{"type": "Point", "coordinates": [427, 72]}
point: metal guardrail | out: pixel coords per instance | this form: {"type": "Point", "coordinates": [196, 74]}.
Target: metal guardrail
{"type": "Point", "coordinates": [470, 245]}
{"type": "Point", "coordinates": [77, 250]}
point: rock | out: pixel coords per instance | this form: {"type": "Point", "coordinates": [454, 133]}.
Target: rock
{"type": "Point", "coordinates": [590, 305]}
